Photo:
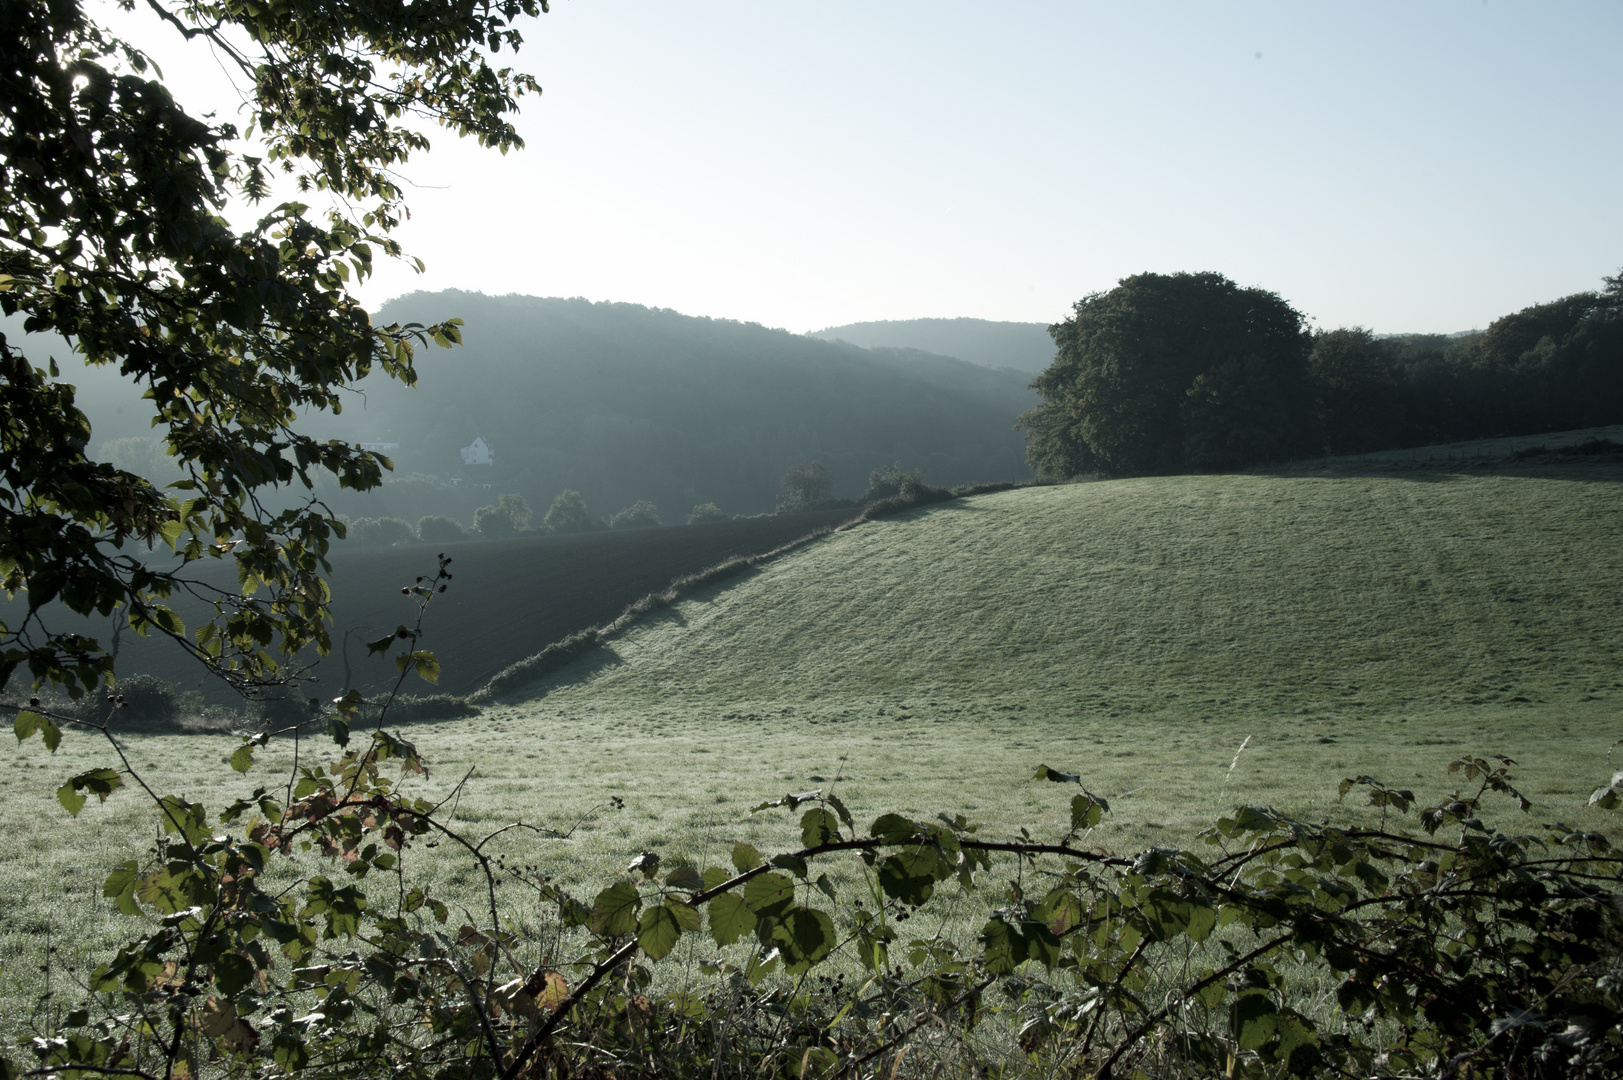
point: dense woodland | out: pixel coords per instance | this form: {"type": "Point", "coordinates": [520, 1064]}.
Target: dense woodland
{"type": "Point", "coordinates": [624, 403]}
{"type": "Point", "coordinates": [1191, 372]}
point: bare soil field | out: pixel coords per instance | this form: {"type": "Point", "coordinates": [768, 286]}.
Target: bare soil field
{"type": "Point", "coordinates": [510, 598]}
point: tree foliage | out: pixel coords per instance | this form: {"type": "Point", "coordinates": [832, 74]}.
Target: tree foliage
{"type": "Point", "coordinates": [1189, 371]}
{"type": "Point", "coordinates": [113, 235]}
{"type": "Point", "coordinates": [569, 514]}
{"type": "Point", "coordinates": [706, 513]}
{"type": "Point", "coordinates": [1548, 367]}
{"type": "Point", "coordinates": [641, 514]}
{"type": "Point", "coordinates": [438, 529]}
{"type": "Point", "coordinates": [1167, 372]}
{"type": "Point", "coordinates": [806, 486]}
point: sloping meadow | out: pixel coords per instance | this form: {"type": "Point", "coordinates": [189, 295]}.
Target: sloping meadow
{"type": "Point", "coordinates": [1183, 645]}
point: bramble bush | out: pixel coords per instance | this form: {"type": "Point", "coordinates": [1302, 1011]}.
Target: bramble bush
{"type": "Point", "coordinates": [291, 932]}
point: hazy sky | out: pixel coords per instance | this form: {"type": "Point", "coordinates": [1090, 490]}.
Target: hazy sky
{"type": "Point", "coordinates": [1405, 166]}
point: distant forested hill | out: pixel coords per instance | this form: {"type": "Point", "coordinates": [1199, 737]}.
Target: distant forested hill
{"type": "Point", "coordinates": [624, 402]}
{"type": "Point", "coordinates": [1023, 346]}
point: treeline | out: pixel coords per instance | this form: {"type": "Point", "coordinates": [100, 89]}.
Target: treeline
{"type": "Point", "coordinates": [807, 488]}
{"type": "Point", "coordinates": [1550, 367]}
{"type": "Point", "coordinates": [1177, 372]}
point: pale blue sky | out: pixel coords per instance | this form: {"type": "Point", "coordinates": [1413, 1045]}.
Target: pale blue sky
{"type": "Point", "coordinates": [1406, 166]}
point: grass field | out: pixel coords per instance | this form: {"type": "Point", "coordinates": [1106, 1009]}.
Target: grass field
{"type": "Point", "coordinates": [1136, 631]}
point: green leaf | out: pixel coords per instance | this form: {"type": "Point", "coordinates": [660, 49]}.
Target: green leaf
{"type": "Point", "coordinates": [71, 800]}
{"type": "Point", "coordinates": [687, 916]}
{"type": "Point", "coordinates": [242, 759]}
{"type": "Point", "coordinates": [768, 894]}
{"type": "Point", "coordinates": [730, 918]}
{"type": "Point", "coordinates": [381, 644]}
{"type": "Point", "coordinates": [839, 808]}
{"type": "Point", "coordinates": [893, 829]}
{"type": "Point", "coordinates": [658, 931]}
{"type": "Point", "coordinates": [745, 858]}
{"type": "Point", "coordinates": [1254, 1020]}
{"type": "Point", "coordinates": [1086, 810]}
{"type": "Point", "coordinates": [99, 782]}
{"type": "Point", "coordinates": [615, 910]}
{"type": "Point", "coordinates": [685, 877]}
{"type": "Point", "coordinates": [1045, 773]}
{"type": "Point", "coordinates": [818, 827]}
{"type": "Point", "coordinates": [422, 662]}
{"type": "Point", "coordinates": [338, 731]}
{"type": "Point", "coordinates": [1002, 947]}
{"type": "Point", "coordinates": [29, 722]}
{"type": "Point", "coordinates": [120, 886]}
{"type": "Point", "coordinates": [910, 876]}
{"type": "Point", "coordinates": [1202, 921]}
{"type": "Point", "coordinates": [714, 877]}
{"type": "Point", "coordinates": [232, 973]}
{"type": "Point", "coordinates": [805, 936]}
{"type": "Point", "coordinates": [1168, 914]}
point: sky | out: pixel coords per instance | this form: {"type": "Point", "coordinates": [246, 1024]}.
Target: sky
{"type": "Point", "coordinates": [1409, 167]}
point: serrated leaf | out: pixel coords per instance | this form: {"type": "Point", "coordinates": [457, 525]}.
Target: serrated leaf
{"type": "Point", "coordinates": [1002, 947]}
{"type": "Point", "coordinates": [804, 936]}
{"type": "Point", "coordinates": [893, 829]}
{"type": "Point", "coordinates": [910, 876]}
{"type": "Point", "coordinates": [26, 724]}
{"type": "Point", "coordinates": [687, 916]}
{"type": "Point", "coordinates": [99, 782]}
{"type": "Point", "coordinates": [1087, 809]}
{"type": "Point", "coordinates": [658, 932]}
{"type": "Point", "coordinates": [614, 912]}
{"type": "Point", "coordinates": [120, 886]}
{"type": "Point", "coordinates": [242, 759]}
{"type": "Point", "coordinates": [685, 877]}
{"type": "Point", "coordinates": [382, 644]}
{"type": "Point", "coordinates": [819, 826]}
{"type": "Point", "coordinates": [730, 918]}
{"type": "Point", "coordinates": [745, 858]}
{"type": "Point", "coordinates": [768, 894]}
{"type": "Point", "coordinates": [71, 800]}
{"type": "Point", "coordinates": [1255, 1019]}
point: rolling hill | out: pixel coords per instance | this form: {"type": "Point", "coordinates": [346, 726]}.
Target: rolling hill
{"type": "Point", "coordinates": [1191, 598]}
{"type": "Point", "coordinates": [623, 402]}
{"type": "Point", "coordinates": [1025, 347]}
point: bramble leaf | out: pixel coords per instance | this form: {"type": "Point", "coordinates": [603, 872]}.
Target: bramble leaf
{"type": "Point", "coordinates": [658, 932]}
{"type": "Point", "coordinates": [745, 858]}
{"type": "Point", "coordinates": [615, 910]}
{"type": "Point", "coordinates": [730, 918]}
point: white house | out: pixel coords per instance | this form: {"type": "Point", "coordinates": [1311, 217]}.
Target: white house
{"type": "Point", "coordinates": [478, 452]}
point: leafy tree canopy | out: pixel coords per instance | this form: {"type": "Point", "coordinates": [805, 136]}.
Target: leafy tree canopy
{"type": "Point", "coordinates": [568, 514]}
{"type": "Point", "coordinates": [113, 236]}
{"type": "Point", "coordinates": [705, 513]}
{"type": "Point", "coordinates": [1170, 371]}
{"type": "Point", "coordinates": [805, 487]}
{"type": "Point", "coordinates": [641, 514]}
